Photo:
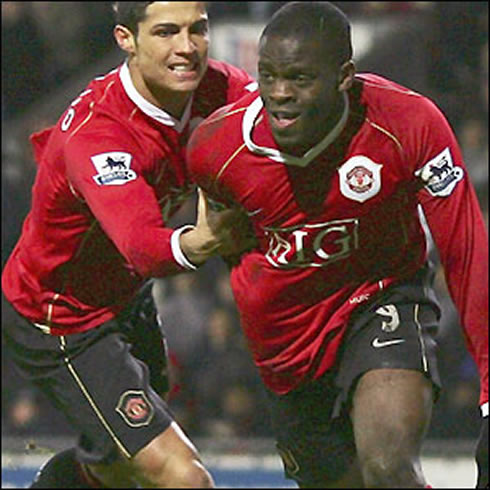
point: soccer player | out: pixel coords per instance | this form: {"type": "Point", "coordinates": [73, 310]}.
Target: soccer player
{"type": "Point", "coordinates": [337, 171]}
{"type": "Point", "coordinates": [110, 174]}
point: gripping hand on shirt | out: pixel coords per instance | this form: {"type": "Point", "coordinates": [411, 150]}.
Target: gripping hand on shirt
{"type": "Point", "coordinates": [225, 232]}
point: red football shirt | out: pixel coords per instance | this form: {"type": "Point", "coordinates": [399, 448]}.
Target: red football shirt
{"type": "Point", "coordinates": [343, 222]}
{"type": "Point", "coordinates": [110, 174]}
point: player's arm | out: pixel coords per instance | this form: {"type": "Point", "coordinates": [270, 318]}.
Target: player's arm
{"type": "Point", "coordinates": [127, 209]}
{"type": "Point", "coordinates": [456, 223]}
{"type": "Point", "coordinates": [203, 159]}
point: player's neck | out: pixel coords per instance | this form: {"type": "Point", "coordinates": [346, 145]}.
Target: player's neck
{"type": "Point", "coordinates": [170, 101]}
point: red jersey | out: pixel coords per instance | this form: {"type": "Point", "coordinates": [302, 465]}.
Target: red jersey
{"type": "Point", "coordinates": [110, 174]}
{"type": "Point", "coordinates": [343, 222]}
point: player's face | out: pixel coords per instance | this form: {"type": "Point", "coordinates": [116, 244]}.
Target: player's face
{"type": "Point", "coordinates": [301, 92]}
{"type": "Point", "coordinates": [170, 51]}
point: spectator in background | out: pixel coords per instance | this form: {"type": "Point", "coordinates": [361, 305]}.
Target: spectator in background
{"type": "Point", "coordinates": [16, 181]}
{"type": "Point", "coordinates": [226, 389]}
{"type": "Point", "coordinates": [183, 307]}
{"type": "Point", "coordinates": [223, 292]}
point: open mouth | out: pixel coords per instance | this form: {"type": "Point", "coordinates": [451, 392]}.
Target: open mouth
{"type": "Point", "coordinates": [281, 119]}
{"type": "Point", "coordinates": [185, 70]}
{"type": "Point", "coordinates": [183, 67]}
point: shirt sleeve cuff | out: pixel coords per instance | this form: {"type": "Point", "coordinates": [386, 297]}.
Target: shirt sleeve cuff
{"type": "Point", "coordinates": [484, 409]}
{"type": "Point", "coordinates": [179, 256]}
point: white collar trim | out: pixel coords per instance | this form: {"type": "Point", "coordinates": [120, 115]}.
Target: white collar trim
{"type": "Point", "coordinates": [148, 108]}
{"type": "Point", "coordinates": [248, 122]}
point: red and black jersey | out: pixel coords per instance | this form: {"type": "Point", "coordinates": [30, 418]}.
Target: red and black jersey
{"type": "Point", "coordinates": [343, 222]}
{"type": "Point", "coordinates": [110, 174]}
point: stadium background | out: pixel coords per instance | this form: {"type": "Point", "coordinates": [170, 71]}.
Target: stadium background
{"type": "Point", "coordinates": [51, 50]}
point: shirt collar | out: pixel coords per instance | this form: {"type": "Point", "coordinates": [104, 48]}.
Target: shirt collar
{"type": "Point", "coordinates": [152, 110]}
{"type": "Point", "coordinates": [248, 122]}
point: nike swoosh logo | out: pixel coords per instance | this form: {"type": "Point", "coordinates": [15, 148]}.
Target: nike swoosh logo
{"type": "Point", "coordinates": [379, 343]}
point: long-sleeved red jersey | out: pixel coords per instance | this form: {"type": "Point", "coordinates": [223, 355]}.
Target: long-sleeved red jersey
{"type": "Point", "coordinates": [110, 174]}
{"type": "Point", "coordinates": [341, 223]}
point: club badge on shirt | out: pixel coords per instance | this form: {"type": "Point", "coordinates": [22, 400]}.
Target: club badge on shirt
{"type": "Point", "coordinates": [440, 174]}
{"type": "Point", "coordinates": [114, 168]}
{"type": "Point", "coordinates": [360, 178]}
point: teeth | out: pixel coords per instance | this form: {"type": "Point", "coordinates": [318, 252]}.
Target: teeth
{"type": "Point", "coordinates": [285, 116]}
{"type": "Point", "coordinates": [183, 68]}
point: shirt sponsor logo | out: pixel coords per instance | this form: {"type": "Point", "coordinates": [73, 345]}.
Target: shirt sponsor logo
{"type": "Point", "coordinates": [360, 178]}
{"type": "Point", "coordinates": [440, 175]}
{"type": "Point", "coordinates": [113, 168]}
{"type": "Point", "coordinates": [312, 245]}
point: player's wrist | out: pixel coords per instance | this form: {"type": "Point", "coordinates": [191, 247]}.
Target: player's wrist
{"type": "Point", "coordinates": [178, 251]}
{"type": "Point", "coordinates": [484, 409]}
{"type": "Point", "coordinates": [195, 246]}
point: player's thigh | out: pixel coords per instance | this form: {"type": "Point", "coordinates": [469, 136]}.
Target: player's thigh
{"type": "Point", "coordinates": [105, 393]}
{"type": "Point", "coordinates": [389, 335]}
{"type": "Point", "coordinates": [388, 377]}
{"type": "Point", "coordinates": [391, 412]}
{"type": "Point", "coordinates": [317, 450]}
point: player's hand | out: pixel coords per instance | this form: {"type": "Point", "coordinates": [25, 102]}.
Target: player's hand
{"type": "Point", "coordinates": [481, 456]}
{"type": "Point", "coordinates": [226, 232]}
{"type": "Point", "coordinates": [231, 227]}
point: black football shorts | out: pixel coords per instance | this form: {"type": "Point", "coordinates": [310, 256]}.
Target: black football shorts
{"type": "Point", "coordinates": [314, 435]}
{"type": "Point", "coordinates": [106, 381]}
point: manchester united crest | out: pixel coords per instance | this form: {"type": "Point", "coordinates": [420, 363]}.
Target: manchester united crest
{"type": "Point", "coordinates": [135, 408]}
{"type": "Point", "coordinates": [360, 178]}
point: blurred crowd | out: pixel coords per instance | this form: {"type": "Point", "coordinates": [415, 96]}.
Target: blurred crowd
{"type": "Point", "coordinates": [216, 391]}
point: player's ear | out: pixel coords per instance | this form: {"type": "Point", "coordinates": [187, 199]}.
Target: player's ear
{"type": "Point", "coordinates": [346, 75]}
{"type": "Point", "coordinates": [124, 38]}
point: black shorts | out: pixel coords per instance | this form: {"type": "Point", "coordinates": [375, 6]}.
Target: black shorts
{"type": "Point", "coordinates": [106, 381]}
{"type": "Point", "coordinates": [314, 434]}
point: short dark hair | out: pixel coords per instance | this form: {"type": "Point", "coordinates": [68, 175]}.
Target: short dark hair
{"type": "Point", "coordinates": [130, 14]}
{"type": "Point", "coordinates": [314, 19]}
